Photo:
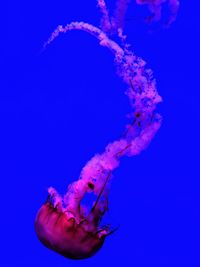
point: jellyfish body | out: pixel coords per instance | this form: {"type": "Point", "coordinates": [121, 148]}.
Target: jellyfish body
{"type": "Point", "coordinates": [65, 235]}
{"type": "Point", "coordinates": [73, 236]}
{"type": "Point", "coordinates": [63, 224]}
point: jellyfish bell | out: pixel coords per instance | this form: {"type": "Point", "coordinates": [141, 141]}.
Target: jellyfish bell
{"type": "Point", "coordinates": [64, 225]}
{"type": "Point", "coordinates": [67, 237]}
{"type": "Point", "coordinates": [68, 230]}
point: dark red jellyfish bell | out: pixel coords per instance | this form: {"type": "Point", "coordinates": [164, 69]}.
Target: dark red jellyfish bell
{"type": "Point", "coordinates": [67, 230]}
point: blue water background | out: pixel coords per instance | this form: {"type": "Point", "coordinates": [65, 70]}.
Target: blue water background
{"type": "Point", "coordinates": [61, 106]}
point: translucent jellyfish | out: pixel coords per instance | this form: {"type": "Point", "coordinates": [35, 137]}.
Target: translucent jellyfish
{"type": "Point", "coordinates": [63, 223]}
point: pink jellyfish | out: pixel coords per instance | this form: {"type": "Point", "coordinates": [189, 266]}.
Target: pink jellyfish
{"type": "Point", "coordinates": [63, 224]}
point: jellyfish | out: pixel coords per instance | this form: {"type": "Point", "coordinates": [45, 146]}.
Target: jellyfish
{"type": "Point", "coordinates": [63, 224]}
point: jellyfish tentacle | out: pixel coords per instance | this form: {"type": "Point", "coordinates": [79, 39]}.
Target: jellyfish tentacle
{"type": "Point", "coordinates": [155, 7]}
{"type": "Point", "coordinates": [106, 24]}
{"type": "Point", "coordinates": [101, 192]}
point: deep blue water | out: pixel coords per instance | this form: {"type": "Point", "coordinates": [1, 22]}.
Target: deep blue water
{"type": "Point", "coordinates": [61, 106]}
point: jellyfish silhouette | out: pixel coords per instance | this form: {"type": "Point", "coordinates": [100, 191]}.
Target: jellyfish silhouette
{"type": "Point", "coordinates": [63, 224]}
